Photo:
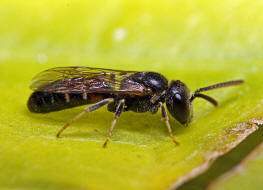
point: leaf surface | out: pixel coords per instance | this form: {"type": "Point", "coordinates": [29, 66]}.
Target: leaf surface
{"type": "Point", "coordinates": [245, 175]}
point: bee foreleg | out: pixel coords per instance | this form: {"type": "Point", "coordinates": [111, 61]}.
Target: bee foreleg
{"type": "Point", "coordinates": [87, 110]}
{"type": "Point", "coordinates": [166, 121]}
{"type": "Point", "coordinates": [118, 112]}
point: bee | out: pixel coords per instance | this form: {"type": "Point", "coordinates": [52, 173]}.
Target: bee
{"type": "Point", "coordinates": [66, 87]}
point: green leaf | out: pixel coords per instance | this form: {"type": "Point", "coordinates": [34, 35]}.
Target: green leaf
{"type": "Point", "coordinates": [225, 162]}
{"type": "Point", "coordinates": [246, 175]}
{"type": "Point", "coordinates": [200, 44]}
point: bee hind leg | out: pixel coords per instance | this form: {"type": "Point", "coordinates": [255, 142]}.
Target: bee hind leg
{"type": "Point", "coordinates": [87, 110]}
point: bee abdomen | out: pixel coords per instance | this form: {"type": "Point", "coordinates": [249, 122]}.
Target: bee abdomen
{"type": "Point", "coordinates": [44, 102]}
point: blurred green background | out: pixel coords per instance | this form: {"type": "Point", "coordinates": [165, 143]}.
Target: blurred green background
{"type": "Point", "coordinates": [138, 34]}
{"type": "Point", "coordinates": [199, 42]}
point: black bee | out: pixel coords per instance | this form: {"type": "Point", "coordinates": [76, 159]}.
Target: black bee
{"type": "Point", "coordinates": [66, 87]}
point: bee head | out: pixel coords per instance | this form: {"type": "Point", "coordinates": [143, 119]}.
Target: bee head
{"type": "Point", "coordinates": [178, 102]}
{"type": "Point", "coordinates": [179, 99]}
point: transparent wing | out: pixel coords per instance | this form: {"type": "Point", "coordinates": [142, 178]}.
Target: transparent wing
{"type": "Point", "coordinates": [86, 79]}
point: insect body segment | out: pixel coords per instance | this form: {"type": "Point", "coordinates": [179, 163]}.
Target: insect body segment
{"type": "Point", "coordinates": [66, 87]}
{"type": "Point", "coordinates": [45, 102]}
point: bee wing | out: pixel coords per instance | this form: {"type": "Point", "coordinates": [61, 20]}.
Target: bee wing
{"type": "Point", "coordinates": [86, 79]}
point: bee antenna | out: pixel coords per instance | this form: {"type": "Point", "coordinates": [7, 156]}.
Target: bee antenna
{"type": "Point", "coordinates": [197, 93]}
{"type": "Point", "coordinates": [205, 97]}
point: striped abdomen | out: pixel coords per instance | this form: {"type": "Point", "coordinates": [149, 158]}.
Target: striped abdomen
{"type": "Point", "coordinates": [44, 102]}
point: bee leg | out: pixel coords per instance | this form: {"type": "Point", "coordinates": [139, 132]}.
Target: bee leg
{"type": "Point", "coordinates": [87, 110]}
{"type": "Point", "coordinates": [166, 121]}
{"type": "Point", "coordinates": [118, 112]}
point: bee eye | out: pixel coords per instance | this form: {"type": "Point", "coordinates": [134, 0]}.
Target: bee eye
{"type": "Point", "coordinates": [178, 102]}
{"type": "Point", "coordinates": [178, 97]}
